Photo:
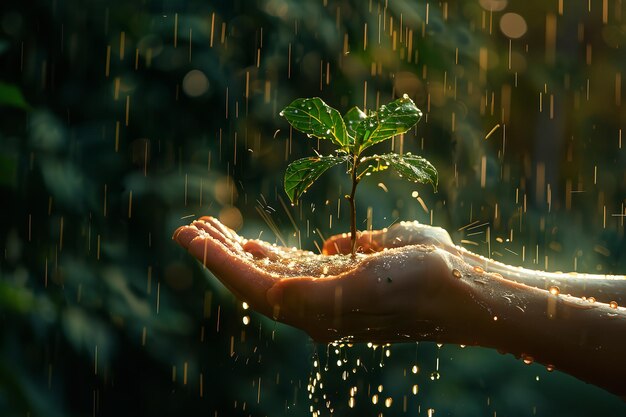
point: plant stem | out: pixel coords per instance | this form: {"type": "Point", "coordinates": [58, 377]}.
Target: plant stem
{"type": "Point", "coordinates": [355, 181]}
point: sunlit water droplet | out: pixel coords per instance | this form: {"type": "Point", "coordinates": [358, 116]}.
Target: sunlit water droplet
{"type": "Point", "coordinates": [415, 369]}
{"type": "Point", "coordinates": [388, 402]}
{"type": "Point", "coordinates": [528, 359]}
{"type": "Point", "coordinates": [478, 270]}
{"type": "Point", "coordinates": [351, 402]}
{"type": "Point", "coordinates": [415, 389]}
{"type": "Point", "coordinates": [456, 273]}
{"type": "Point", "coordinates": [554, 290]}
{"type": "Point", "coordinates": [613, 305]}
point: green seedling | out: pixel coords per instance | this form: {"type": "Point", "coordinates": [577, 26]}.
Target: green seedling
{"type": "Point", "coordinates": [353, 133]}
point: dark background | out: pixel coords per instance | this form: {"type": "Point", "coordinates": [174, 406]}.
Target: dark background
{"type": "Point", "coordinates": [121, 120]}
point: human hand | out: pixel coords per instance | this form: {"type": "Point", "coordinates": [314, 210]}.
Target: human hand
{"type": "Point", "coordinates": [389, 295]}
{"type": "Point", "coordinates": [398, 235]}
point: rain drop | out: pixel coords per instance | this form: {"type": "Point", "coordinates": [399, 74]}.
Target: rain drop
{"type": "Point", "coordinates": [415, 369]}
{"type": "Point", "coordinates": [613, 305]}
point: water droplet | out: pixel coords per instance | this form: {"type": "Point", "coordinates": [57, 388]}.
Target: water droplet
{"type": "Point", "coordinates": [328, 131]}
{"type": "Point", "coordinates": [554, 290]}
{"type": "Point", "coordinates": [295, 110]}
{"type": "Point", "coordinates": [591, 300]}
{"type": "Point", "coordinates": [528, 359]}
{"type": "Point", "coordinates": [388, 402]}
{"type": "Point", "coordinates": [281, 114]}
{"type": "Point", "coordinates": [478, 270]}
{"type": "Point", "coordinates": [351, 402]}
{"type": "Point", "coordinates": [456, 273]}
{"type": "Point", "coordinates": [549, 368]}
{"type": "Point", "coordinates": [405, 96]}
{"type": "Point", "coordinates": [495, 318]}
{"type": "Point", "coordinates": [375, 399]}
{"type": "Point", "coordinates": [415, 389]}
{"type": "Point", "coordinates": [415, 369]}
{"type": "Point", "coordinates": [246, 320]}
{"type": "Point", "coordinates": [613, 305]}
{"type": "Point", "coordinates": [434, 376]}
{"type": "Point", "coordinates": [245, 305]}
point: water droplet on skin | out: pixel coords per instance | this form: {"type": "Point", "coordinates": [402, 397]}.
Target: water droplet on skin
{"type": "Point", "coordinates": [478, 270]}
{"type": "Point", "coordinates": [549, 368]}
{"type": "Point", "coordinates": [528, 359]}
{"type": "Point", "coordinates": [613, 305]}
{"type": "Point", "coordinates": [456, 273]}
{"type": "Point", "coordinates": [554, 290]}
{"type": "Point", "coordinates": [591, 300]}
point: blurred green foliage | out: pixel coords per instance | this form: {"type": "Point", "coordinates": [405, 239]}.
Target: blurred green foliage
{"type": "Point", "coordinates": [120, 121]}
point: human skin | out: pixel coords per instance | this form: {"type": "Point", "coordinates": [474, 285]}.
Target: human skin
{"type": "Point", "coordinates": [410, 283]}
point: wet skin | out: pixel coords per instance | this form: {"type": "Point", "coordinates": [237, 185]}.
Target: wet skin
{"type": "Point", "coordinates": [410, 282]}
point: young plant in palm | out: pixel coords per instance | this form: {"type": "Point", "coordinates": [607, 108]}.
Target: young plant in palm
{"type": "Point", "coordinates": [353, 133]}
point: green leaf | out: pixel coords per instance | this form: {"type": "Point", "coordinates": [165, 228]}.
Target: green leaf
{"type": "Point", "coordinates": [11, 96]}
{"type": "Point", "coordinates": [302, 173]}
{"type": "Point", "coordinates": [314, 117]}
{"type": "Point", "coordinates": [395, 118]}
{"type": "Point", "coordinates": [352, 119]}
{"type": "Point", "coordinates": [412, 167]}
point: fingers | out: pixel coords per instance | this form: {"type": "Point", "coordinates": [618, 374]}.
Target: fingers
{"type": "Point", "coordinates": [398, 235]}
{"type": "Point", "coordinates": [366, 242]}
{"type": "Point", "coordinates": [220, 250]}
{"type": "Point", "coordinates": [219, 234]}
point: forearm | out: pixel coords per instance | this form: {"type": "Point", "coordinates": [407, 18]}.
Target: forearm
{"type": "Point", "coordinates": [604, 288]}
{"type": "Point", "coordinates": [584, 338]}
